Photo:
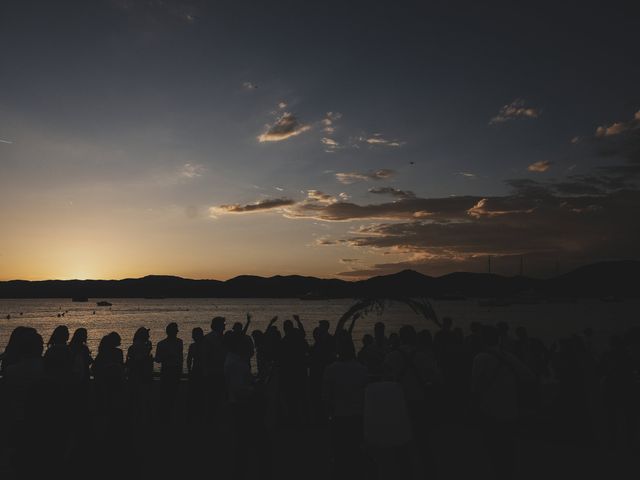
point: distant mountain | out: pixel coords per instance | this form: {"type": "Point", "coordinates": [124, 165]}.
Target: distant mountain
{"type": "Point", "coordinates": [606, 279]}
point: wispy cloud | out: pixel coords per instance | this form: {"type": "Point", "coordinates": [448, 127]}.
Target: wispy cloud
{"type": "Point", "coordinates": [541, 166]}
{"type": "Point", "coordinates": [377, 139]}
{"type": "Point", "coordinates": [190, 170]}
{"type": "Point", "coordinates": [467, 174]}
{"type": "Point", "coordinates": [6, 141]}
{"type": "Point", "coordinates": [249, 86]}
{"type": "Point", "coordinates": [513, 111]}
{"type": "Point", "coordinates": [352, 177]}
{"type": "Point", "coordinates": [286, 126]}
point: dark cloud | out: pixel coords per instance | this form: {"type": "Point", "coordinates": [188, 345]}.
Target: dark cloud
{"type": "Point", "coordinates": [285, 126]}
{"type": "Point", "coordinates": [586, 228]}
{"type": "Point", "coordinates": [620, 139]}
{"type": "Point", "coordinates": [261, 205]}
{"type": "Point", "coordinates": [393, 192]}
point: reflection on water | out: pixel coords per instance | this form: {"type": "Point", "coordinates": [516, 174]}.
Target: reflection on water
{"type": "Point", "coordinates": [545, 320]}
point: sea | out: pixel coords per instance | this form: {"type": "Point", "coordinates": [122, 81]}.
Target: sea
{"type": "Point", "coordinates": [547, 321]}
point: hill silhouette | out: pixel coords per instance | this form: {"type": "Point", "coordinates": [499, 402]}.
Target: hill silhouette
{"type": "Point", "coordinates": [605, 279]}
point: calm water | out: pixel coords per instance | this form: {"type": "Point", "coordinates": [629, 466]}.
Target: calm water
{"type": "Point", "coordinates": [546, 320]}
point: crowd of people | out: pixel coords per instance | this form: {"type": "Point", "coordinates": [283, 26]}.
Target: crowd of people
{"type": "Point", "coordinates": [376, 398]}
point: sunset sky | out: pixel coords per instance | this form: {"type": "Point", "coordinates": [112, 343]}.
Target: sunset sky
{"type": "Point", "coordinates": [212, 139]}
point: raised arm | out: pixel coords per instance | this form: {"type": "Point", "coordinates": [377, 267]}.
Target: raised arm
{"type": "Point", "coordinates": [300, 326]}
{"type": "Point", "coordinates": [272, 321]}
{"type": "Point", "coordinates": [246, 325]}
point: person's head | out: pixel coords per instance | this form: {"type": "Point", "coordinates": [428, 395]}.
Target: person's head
{"type": "Point", "coordinates": [172, 330]}
{"type": "Point", "coordinates": [218, 324]}
{"type": "Point", "coordinates": [367, 340]}
{"type": "Point", "coordinates": [317, 334]}
{"type": "Point", "coordinates": [109, 342]}
{"type": "Point", "coordinates": [141, 335]}
{"type": "Point", "coordinates": [490, 336]}
{"type": "Point", "coordinates": [60, 336]}
{"type": "Point", "coordinates": [447, 322]}
{"type": "Point", "coordinates": [237, 328]}
{"type": "Point", "coordinates": [394, 340]}
{"type": "Point", "coordinates": [197, 333]}
{"type": "Point", "coordinates": [378, 329]}
{"type": "Point", "coordinates": [344, 347]}
{"type": "Point", "coordinates": [79, 337]}
{"type": "Point", "coordinates": [521, 333]}
{"type": "Point", "coordinates": [408, 335]}
{"type": "Point", "coordinates": [323, 325]}
{"type": "Point", "coordinates": [33, 344]}
{"type": "Point", "coordinates": [287, 326]}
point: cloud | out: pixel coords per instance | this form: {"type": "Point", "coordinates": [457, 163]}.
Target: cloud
{"type": "Point", "coordinates": [282, 105]}
{"type": "Point", "coordinates": [392, 191]}
{"type": "Point", "coordinates": [328, 122]}
{"type": "Point", "coordinates": [249, 86]}
{"type": "Point", "coordinates": [325, 242]}
{"type": "Point", "coordinates": [259, 206]}
{"type": "Point", "coordinates": [190, 170]}
{"type": "Point", "coordinates": [352, 177]}
{"type": "Point", "coordinates": [286, 126]}
{"type": "Point", "coordinates": [6, 141]}
{"type": "Point", "coordinates": [467, 174]}
{"type": "Point", "coordinates": [320, 197]}
{"type": "Point", "coordinates": [620, 139]}
{"type": "Point", "coordinates": [378, 140]}
{"type": "Point", "coordinates": [349, 260]}
{"type": "Point", "coordinates": [514, 110]}
{"type": "Point", "coordinates": [541, 166]}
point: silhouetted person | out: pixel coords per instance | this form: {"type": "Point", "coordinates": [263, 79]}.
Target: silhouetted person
{"type": "Point", "coordinates": [293, 372]}
{"type": "Point", "coordinates": [57, 359]}
{"type": "Point", "coordinates": [619, 394]}
{"type": "Point", "coordinates": [343, 389]}
{"type": "Point", "coordinates": [248, 410]}
{"type": "Point", "coordinates": [195, 370]}
{"type": "Point", "coordinates": [246, 343]}
{"type": "Point", "coordinates": [321, 354]}
{"type": "Point", "coordinates": [494, 384]}
{"type": "Point", "coordinates": [80, 356]}
{"type": "Point", "coordinates": [14, 347]}
{"type": "Point", "coordinates": [169, 354]}
{"type": "Point", "coordinates": [139, 373]}
{"type": "Point", "coordinates": [214, 353]}
{"type": "Point", "coordinates": [108, 371]}
{"type": "Point", "coordinates": [27, 404]}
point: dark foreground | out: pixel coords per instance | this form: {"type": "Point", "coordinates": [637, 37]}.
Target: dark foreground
{"type": "Point", "coordinates": [407, 405]}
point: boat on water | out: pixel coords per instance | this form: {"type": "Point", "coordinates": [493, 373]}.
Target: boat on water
{"type": "Point", "coordinates": [104, 304]}
{"type": "Point", "coordinates": [80, 299]}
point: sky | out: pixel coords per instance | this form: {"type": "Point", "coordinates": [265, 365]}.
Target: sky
{"type": "Point", "coordinates": [334, 139]}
